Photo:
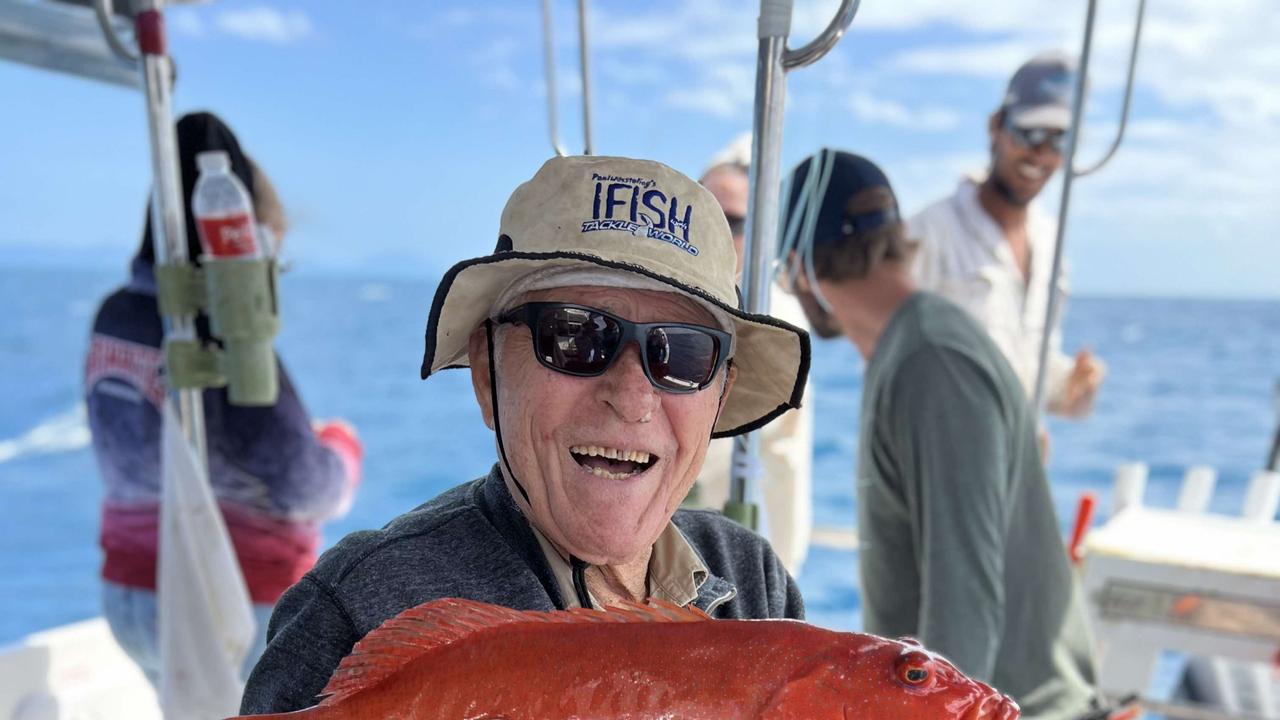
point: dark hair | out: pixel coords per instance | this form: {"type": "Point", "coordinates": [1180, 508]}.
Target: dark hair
{"type": "Point", "coordinates": [198, 132]}
{"type": "Point", "coordinates": [855, 254]}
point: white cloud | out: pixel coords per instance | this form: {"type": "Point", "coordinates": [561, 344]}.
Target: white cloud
{"type": "Point", "coordinates": [722, 90]}
{"type": "Point", "coordinates": [266, 24]}
{"type": "Point", "coordinates": [185, 21]}
{"type": "Point", "coordinates": [713, 74]}
{"type": "Point", "coordinates": [980, 60]}
{"type": "Point", "coordinates": [460, 17]}
{"type": "Point", "coordinates": [1216, 56]}
{"type": "Point", "coordinates": [1192, 207]}
{"type": "Point", "coordinates": [872, 109]}
{"type": "Point", "coordinates": [979, 16]}
{"type": "Point", "coordinates": [709, 101]}
{"type": "Point", "coordinates": [922, 179]}
{"type": "Point", "coordinates": [495, 61]}
{"type": "Point", "coordinates": [490, 18]}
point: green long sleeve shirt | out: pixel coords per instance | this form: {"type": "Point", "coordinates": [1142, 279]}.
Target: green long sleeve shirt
{"type": "Point", "coordinates": [961, 547]}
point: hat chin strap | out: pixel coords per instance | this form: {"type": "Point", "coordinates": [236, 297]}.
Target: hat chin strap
{"type": "Point", "coordinates": [578, 565]}
{"type": "Point", "coordinates": [497, 424]}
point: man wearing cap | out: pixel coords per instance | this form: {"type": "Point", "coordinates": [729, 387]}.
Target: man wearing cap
{"type": "Point", "coordinates": [606, 349]}
{"type": "Point", "coordinates": [989, 248]}
{"type": "Point", "coordinates": [959, 541]}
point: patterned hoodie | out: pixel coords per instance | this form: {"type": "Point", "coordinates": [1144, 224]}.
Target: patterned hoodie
{"type": "Point", "coordinates": [276, 479]}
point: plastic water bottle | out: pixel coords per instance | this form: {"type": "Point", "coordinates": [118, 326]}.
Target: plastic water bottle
{"type": "Point", "coordinates": [223, 209]}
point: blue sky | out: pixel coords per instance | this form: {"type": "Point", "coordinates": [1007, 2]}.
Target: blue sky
{"type": "Point", "coordinates": [395, 130]}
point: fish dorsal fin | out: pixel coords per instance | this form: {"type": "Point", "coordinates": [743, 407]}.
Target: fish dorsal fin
{"type": "Point", "coordinates": [438, 623]}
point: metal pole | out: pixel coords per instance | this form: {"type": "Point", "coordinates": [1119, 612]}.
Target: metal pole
{"type": "Point", "coordinates": [549, 63]}
{"type": "Point", "coordinates": [104, 11]}
{"type": "Point", "coordinates": [1273, 457]}
{"type": "Point", "coordinates": [1077, 110]}
{"type": "Point", "coordinates": [772, 62]}
{"type": "Point", "coordinates": [1072, 172]}
{"type": "Point", "coordinates": [1128, 97]}
{"type": "Point", "coordinates": [827, 39]}
{"type": "Point", "coordinates": [762, 219]}
{"type": "Point", "coordinates": [586, 77]}
{"type": "Point", "coordinates": [168, 224]}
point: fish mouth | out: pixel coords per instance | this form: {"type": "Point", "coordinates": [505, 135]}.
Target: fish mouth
{"type": "Point", "coordinates": [612, 463]}
{"type": "Point", "coordinates": [994, 707]}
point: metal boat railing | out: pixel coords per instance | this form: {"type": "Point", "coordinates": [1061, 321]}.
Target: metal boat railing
{"type": "Point", "coordinates": [773, 61]}
{"type": "Point", "coordinates": [549, 63]}
{"type": "Point", "coordinates": [170, 234]}
{"type": "Point", "coordinates": [1072, 172]}
{"type": "Point", "coordinates": [64, 37]}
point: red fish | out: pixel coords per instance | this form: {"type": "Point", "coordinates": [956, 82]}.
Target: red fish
{"type": "Point", "coordinates": [464, 660]}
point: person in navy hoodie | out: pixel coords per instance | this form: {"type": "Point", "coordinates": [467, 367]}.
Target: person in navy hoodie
{"type": "Point", "coordinates": [276, 474]}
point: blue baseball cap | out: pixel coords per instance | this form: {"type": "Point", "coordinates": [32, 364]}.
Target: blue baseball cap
{"type": "Point", "coordinates": [1039, 93]}
{"type": "Point", "coordinates": [840, 176]}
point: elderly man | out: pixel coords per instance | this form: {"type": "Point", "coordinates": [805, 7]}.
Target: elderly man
{"type": "Point", "coordinates": [989, 249]}
{"type": "Point", "coordinates": [606, 350]}
{"type": "Point", "coordinates": [960, 544]}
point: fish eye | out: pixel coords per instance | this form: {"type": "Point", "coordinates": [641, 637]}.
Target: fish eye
{"type": "Point", "coordinates": [915, 670]}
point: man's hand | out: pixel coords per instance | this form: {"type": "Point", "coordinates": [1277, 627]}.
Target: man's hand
{"type": "Point", "coordinates": [337, 424]}
{"type": "Point", "coordinates": [1082, 385]}
{"type": "Point", "coordinates": [340, 436]}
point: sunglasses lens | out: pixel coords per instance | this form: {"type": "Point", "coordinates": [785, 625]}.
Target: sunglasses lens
{"type": "Point", "coordinates": [576, 340]}
{"type": "Point", "coordinates": [737, 224]}
{"type": "Point", "coordinates": [681, 359]}
{"type": "Point", "coordinates": [1035, 137]}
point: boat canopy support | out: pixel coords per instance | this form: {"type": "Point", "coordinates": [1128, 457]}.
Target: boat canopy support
{"type": "Point", "coordinates": [549, 63]}
{"type": "Point", "coordinates": [773, 61]}
{"type": "Point", "coordinates": [170, 242]}
{"type": "Point", "coordinates": [105, 12]}
{"type": "Point", "coordinates": [1072, 172]}
{"type": "Point", "coordinates": [1273, 456]}
{"type": "Point", "coordinates": [68, 39]}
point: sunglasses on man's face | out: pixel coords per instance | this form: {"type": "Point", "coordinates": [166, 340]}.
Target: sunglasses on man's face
{"type": "Point", "coordinates": [737, 224]}
{"type": "Point", "coordinates": [1031, 139]}
{"type": "Point", "coordinates": [1035, 137]}
{"type": "Point", "coordinates": [584, 341]}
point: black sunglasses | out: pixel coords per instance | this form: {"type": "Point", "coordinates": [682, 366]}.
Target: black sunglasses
{"type": "Point", "coordinates": [737, 224]}
{"type": "Point", "coordinates": [1033, 137]}
{"type": "Point", "coordinates": [584, 341]}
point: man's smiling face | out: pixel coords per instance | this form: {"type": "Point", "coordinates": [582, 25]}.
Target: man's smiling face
{"type": "Point", "coordinates": [1022, 171]}
{"type": "Point", "coordinates": [605, 460]}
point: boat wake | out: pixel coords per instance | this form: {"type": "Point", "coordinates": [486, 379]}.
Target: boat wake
{"type": "Point", "coordinates": [63, 432]}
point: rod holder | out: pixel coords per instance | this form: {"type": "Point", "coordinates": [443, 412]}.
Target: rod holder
{"type": "Point", "coordinates": [243, 314]}
{"type": "Point", "coordinates": [1197, 488]}
{"type": "Point", "coordinates": [240, 297]}
{"type": "Point", "coordinates": [1263, 497]}
{"type": "Point", "coordinates": [1130, 486]}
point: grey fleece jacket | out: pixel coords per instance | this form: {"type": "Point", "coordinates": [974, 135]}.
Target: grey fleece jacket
{"type": "Point", "coordinates": [471, 542]}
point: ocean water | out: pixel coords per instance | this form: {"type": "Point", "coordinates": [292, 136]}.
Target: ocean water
{"type": "Point", "coordinates": [1189, 382]}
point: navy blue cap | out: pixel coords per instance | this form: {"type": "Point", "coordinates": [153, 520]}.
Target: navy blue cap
{"type": "Point", "coordinates": [1039, 94]}
{"type": "Point", "coordinates": [849, 175]}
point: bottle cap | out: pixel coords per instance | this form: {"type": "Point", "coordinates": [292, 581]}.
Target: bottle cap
{"type": "Point", "coordinates": [212, 161]}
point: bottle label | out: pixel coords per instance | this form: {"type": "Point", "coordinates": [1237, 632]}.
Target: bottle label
{"type": "Point", "coordinates": [228, 236]}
